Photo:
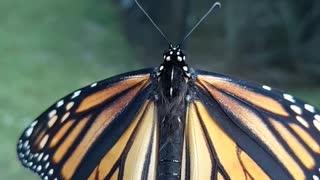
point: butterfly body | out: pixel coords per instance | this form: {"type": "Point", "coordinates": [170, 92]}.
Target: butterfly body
{"type": "Point", "coordinates": [171, 123]}
{"type": "Point", "coordinates": [172, 92]}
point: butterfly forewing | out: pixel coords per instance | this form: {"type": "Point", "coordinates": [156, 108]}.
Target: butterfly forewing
{"type": "Point", "coordinates": [58, 143]}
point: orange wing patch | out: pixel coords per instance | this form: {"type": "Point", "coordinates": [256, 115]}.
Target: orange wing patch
{"type": "Point", "coordinates": [101, 96]}
{"type": "Point", "coordinates": [100, 123]}
{"type": "Point", "coordinates": [306, 138]}
{"type": "Point", "coordinates": [67, 143]}
{"type": "Point", "coordinates": [235, 162]}
{"type": "Point", "coordinates": [60, 134]}
{"type": "Point", "coordinates": [201, 160]}
{"type": "Point", "coordinates": [144, 131]}
{"type": "Point", "coordinates": [265, 102]}
{"type": "Point", "coordinates": [298, 149]}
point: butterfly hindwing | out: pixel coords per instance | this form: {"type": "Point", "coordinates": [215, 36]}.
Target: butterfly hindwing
{"type": "Point", "coordinates": [277, 133]}
{"type": "Point", "coordinates": [134, 155]}
{"type": "Point", "coordinates": [210, 153]}
{"type": "Point", "coordinates": [93, 119]}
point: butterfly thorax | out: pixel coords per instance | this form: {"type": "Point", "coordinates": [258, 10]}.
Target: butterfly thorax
{"type": "Point", "coordinates": [172, 76]}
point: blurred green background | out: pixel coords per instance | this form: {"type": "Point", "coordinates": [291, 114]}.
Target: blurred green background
{"type": "Point", "coordinates": [48, 48]}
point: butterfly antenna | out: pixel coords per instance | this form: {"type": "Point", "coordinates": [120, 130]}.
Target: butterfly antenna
{"type": "Point", "coordinates": [216, 4]}
{"type": "Point", "coordinates": [154, 24]}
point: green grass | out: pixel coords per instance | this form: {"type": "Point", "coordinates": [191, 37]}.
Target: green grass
{"type": "Point", "coordinates": [49, 48]}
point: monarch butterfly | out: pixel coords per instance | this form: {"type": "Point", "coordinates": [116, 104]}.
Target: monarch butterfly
{"type": "Point", "coordinates": [174, 122]}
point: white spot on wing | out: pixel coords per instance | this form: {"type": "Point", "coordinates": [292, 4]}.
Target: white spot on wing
{"type": "Point", "coordinates": [40, 157]}
{"type": "Point", "coordinates": [317, 117]}
{"type": "Point", "coordinates": [76, 94]}
{"type": "Point", "coordinates": [93, 85]}
{"type": "Point", "coordinates": [60, 103]}
{"type": "Point", "coordinates": [171, 91]}
{"type": "Point", "coordinates": [29, 131]}
{"type": "Point", "coordinates": [296, 109]}
{"type": "Point", "coordinates": [52, 113]}
{"type": "Point", "coordinates": [46, 157]}
{"type": "Point", "coordinates": [289, 97]}
{"type": "Point", "coordinates": [39, 168]}
{"type": "Point", "coordinates": [50, 172]}
{"type": "Point", "coordinates": [266, 87]}
{"type": "Point", "coordinates": [316, 124]}
{"type": "Point", "coordinates": [25, 144]}
{"type": "Point", "coordinates": [309, 108]}
{"type": "Point", "coordinates": [302, 121]}
{"type": "Point", "coordinates": [315, 177]}
{"type": "Point", "coordinates": [33, 124]}
{"type": "Point", "coordinates": [47, 165]}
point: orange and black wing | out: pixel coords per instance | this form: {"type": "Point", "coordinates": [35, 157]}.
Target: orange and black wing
{"type": "Point", "coordinates": [236, 129]}
{"type": "Point", "coordinates": [89, 133]}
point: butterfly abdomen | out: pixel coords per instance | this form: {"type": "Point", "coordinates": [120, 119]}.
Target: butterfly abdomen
{"type": "Point", "coordinates": [169, 165]}
{"type": "Point", "coordinates": [172, 107]}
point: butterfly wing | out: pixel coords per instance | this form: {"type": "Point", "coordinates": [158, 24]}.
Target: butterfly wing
{"type": "Point", "coordinates": [241, 130]}
{"type": "Point", "coordinates": [75, 136]}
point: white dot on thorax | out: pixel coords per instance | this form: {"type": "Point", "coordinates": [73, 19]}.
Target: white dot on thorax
{"type": "Point", "coordinates": [185, 68]}
{"type": "Point", "coordinates": [161, 68]}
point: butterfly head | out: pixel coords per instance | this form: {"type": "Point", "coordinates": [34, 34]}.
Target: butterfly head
{"type": "Point", "coordinates": [174, 55]}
